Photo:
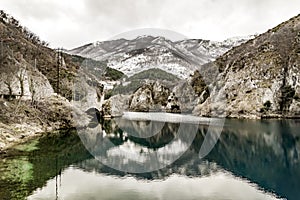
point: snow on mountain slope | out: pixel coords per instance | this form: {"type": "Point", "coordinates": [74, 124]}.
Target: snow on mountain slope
{"type": "Point", "coordinates": [180, 58]}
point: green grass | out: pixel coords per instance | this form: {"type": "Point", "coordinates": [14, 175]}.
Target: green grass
{"type": "Point", "coordinates": [28, 147]}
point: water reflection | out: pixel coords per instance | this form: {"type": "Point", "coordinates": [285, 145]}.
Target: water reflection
{"type": "Point", "coordinates": [138, 146]}
{"type": "Point", "coordinates": [266, 153]}
{"type": "Point", "coordinates": [252, 159]}
{"type": "Point", "coordinates": [218, 186]}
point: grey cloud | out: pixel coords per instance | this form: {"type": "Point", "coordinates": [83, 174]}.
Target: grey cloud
{"type": "Point", "coordinates": [124, 12]}
{"type": "Point", "coordinates": [76, 22]}
{"type": "Point", "coordinates": [35, 9]}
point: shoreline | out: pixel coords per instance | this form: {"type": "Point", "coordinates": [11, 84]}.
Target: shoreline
{"type": "Point", "coordinates": [16, 133]}
{"type": "Point", "coordinates": [22, 120]}
{"type": "Point", "coordinates": [11, 135]}
{"type": "Point", "coordinates": [25, 135]}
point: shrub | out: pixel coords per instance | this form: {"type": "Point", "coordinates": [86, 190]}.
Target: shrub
{"type": "Point", "coordinates": [113, 74]}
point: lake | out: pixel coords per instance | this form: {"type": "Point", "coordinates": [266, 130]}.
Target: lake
{"type": "Point", "coordinates": [132, 158]}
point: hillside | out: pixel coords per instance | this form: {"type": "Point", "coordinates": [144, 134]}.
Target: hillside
{"type": "Point", "coordinates": [260, 78]}
{"type": "Point", "coordinates": [36, 83]}
{"type": "Point", "coordinates": [22, 50]}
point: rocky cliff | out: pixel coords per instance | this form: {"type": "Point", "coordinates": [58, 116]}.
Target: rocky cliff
{"type": "Point", "coordinates": [260, 78]}
{"type": "Point", "coordinates": [21, 79]}
{"type": "Point", "coordinates": [150, 96]}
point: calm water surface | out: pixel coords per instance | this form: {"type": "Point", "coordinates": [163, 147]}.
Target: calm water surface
{"type": "Point", "coordinates": [252, 160]}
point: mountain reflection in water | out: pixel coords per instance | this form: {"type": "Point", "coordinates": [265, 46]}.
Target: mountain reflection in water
{"type": "Point", "coordinates": [252, 160]}
{"type": "Point", "coordinates": [90, 185]}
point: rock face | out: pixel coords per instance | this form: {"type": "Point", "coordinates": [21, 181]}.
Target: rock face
{"type": "Point", "coordinates": [173, 104]}
{"type": "Point", "coordinates": [260, 78]}
{"type": "Point", "coordinates": [23, 80]}
{"type": "Point", "coordinates": [119, 104]}
{"type": "Point", "coordinates": [151, 96]}
{"type": "Point", "coordinates": [106, 109]}
{"type": "Point", "coordinates": [194, 90]}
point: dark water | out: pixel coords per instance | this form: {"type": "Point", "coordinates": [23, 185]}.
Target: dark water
{"type": "Point", "coordinates": [251, 160]}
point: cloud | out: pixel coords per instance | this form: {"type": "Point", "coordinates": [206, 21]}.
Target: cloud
{"type": "Point", "coordinates": [74, 23]}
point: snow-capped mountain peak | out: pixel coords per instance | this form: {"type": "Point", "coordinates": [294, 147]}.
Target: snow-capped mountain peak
{"type": "Point", "coordinates": [180, 58]}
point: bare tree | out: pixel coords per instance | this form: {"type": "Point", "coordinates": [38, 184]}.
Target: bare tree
{"type": "Point", "coordinates": [32, 90]}
{"type": "Point", "coordinates": [8, 71]}
{"type": "Point", "coordinates": [8, 81]}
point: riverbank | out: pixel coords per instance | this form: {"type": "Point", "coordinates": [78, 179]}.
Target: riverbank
{"type": "Point", "coordinates": [21, 120]}
{"type": "Point", "coordinates": [24, 119]}
{"type": "Point", "coordinates": [17, 133]}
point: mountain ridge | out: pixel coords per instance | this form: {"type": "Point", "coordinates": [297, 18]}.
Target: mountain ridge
{"type": "Point", "coordinates": [180, 58]}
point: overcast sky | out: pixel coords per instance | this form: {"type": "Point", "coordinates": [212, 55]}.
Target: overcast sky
{"type": "Point", "coordinates": [73, 23]}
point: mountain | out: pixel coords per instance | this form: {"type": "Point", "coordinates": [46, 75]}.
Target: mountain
{"type": "Point", "coordinates": [260, 78]}
{"type": "Point", "coordinates": [180, 58]}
